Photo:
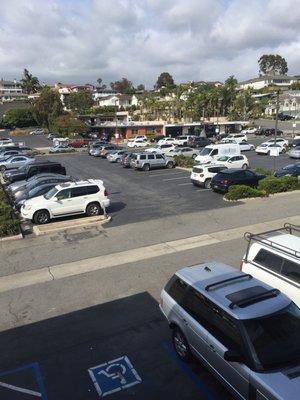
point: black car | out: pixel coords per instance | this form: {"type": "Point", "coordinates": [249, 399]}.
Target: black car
{"type": "Point", "coordinates": [285, 117]}
{"type": "Point", "coordinates": [33, 168]}
{"type": "Point", "coordinates": [157, 138]}
{"type": "Point", "coordinates": [197, 142]}
{"type": "Point", "coordinates": [234, 176]}
{"type": "Point", "coordinates": [35, 192]}
{"type": "Point", "coordinates": [271, 132]}
{"type": "Point", "coordinates": [288, 170]}
{"type": "Point", "coordinates": [295, 143]}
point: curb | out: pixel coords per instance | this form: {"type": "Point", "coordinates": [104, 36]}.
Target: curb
{"type": "Point", "coordinates": [282, 194]}
{"type": "Point", "coordinates": [67, 225]}
{"type": "Point", "coordinates": [9, 238]}
{"type": "Point", "coordinates": [184, 168]}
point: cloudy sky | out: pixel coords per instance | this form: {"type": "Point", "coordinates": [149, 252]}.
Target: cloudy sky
{"type": "Point", "coordinates": [78, 41]}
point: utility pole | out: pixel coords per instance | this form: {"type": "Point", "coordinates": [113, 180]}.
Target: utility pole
{"type": "Point", "coordinates": [276, 124]}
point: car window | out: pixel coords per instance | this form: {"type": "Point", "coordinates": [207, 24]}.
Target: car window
{"type": "Point", "coordinates": [214, 152]}
{"type": "Point", "coordinates": [79, 191]}
{"type": "Point", "coordinates": [151, 157]}
{"type": "Point", "coordinates": [143, 157]}
{"type": "Point", "coordinates": [291, 270]}
{"type": "Point", "coordinates": [176, 288]}
{"type": "Point", "coordinates": [159, 156]}
{"type": "Point", "coordinates": [249, 174]}
{"type": "Point", "coordinates": [268, 259]}
{"type": "Point", "coordinates": [64, 194]}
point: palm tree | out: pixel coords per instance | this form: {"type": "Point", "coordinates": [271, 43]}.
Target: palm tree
{"type": "Point", "coordinates": [30, 84]}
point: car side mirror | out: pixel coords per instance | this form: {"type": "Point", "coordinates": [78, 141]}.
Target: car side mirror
{"type": "Point", "coordinates": [233, 356]}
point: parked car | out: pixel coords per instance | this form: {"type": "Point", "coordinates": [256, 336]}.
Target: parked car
{"type": "Point", "coordinates": [95, 147]}
{"type": "Point", "coordinates": [265, 148]}
{"type": "Point", "coordinates": [241, 329]}
{"type": "Point", "coordinates": [21, 185]}
{"type": "Point", "coordinates": [146, 161]}
{"type": "Point", "coordinates": [116, 156]}
{"type": "Point", "coordinates": [61, 148]}
{"type": "Point", "coordinates": [288, 170]}
{"type": "Point", "coordinates": [294, 152]}
{"type": "Point", "coordinates": [13, 147]}
{"type": "Point", "coordinates": [105, 150]}
{"type": "Point", "coordinates": [126, 159]}
{"type": "Point", "coordinates": [137, 143]}
{"type": "Point", "coordinates": [271, 132]}
{"type": "Point", "coordinates": [213, 151]}
{"type": "Point", "coordinates": [166, 140]}
{"type": "Point", "coordinates": [237, 137]}
{"type": "Point", "coordinates": [249, 130]}
{"type": "Point", "coordinates": [280, 141]}
{"type": "Point", "coordinates": [183, 140]}
{"type": "Point", "coordinates": [239, 161]}
{"type": "Point", "coordinates": [38, 131]}
{"type": "Point", "coordinates": [22, 192]}
{"type": "Point", "coordinates": [274, 257]}
{"type": "Point", "coordinates": [295, 143]}
{"type": "Point", "coordinates": [9, 153]}
{"type": "Point", "coordinates": [15, 161]}
{"type": "Point", "coordinates": [284, 117]}
{"type": "Point", "coordinates": [202, 174]}
{"type": "Point", "coordinates": [73, 198]}
{"type": "Point", "coordinates": [183, 151]}
{"type": "Point", "coordinates": [33, 168]}
{"type": "Point", "coordinates": [198, 142]}
{"type": "Point", "coordinates": [160, 148]}
{"type": "Point", "coordinates": [233, 176]}
{"type": "Point", "coordinates": [245, 146]}
{"type": "Point", "coordinates": [6, 142]}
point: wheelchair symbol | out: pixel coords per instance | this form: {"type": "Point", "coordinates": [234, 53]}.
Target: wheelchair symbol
{"type": "Point", "coordinates": [114, 376]}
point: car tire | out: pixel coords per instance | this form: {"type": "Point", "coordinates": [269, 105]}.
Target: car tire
{"type": "Point", "coordinates": [207, 184]}
{"type": "Point", "coordinates": [244, 166]}
{"type": "Point", "coordinates": [41, 217]}
{"type": "Point", "coordinates": [283, 150]}
{"type": "Point", "coordinates": [252, 148]}
{"type": "Point", "coordinates": [93, 209]}
{"type": "Point", "coordinates": [181, 345]}
{"type": "Point", "coordinates": [146, 167]}
{"type": "Point", "coordinates": [194, 156]}
{"type": "Point", "coordinates": [118, 160]}
{"type": "Point", "coordinates": [2, 168]}
{"type": "Point", "coordinates": [170, 164]}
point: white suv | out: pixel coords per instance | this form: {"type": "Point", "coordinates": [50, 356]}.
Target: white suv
{"type": "Point", "coordinates": [237, 137]}
{"type": "Point", "coordinates": [203, 174]}
{"type": "Point", "coordinates": [71, 198]}
{"type": "Point", "coordinates": [274, 258]}
{"type": "Point", "coordinates": [239, 161]}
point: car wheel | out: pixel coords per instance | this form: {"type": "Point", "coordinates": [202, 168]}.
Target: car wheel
{"type": "Point", "coordinates": [93, 209]}
{"type": "Point", "coordinates": [181, 345]}
{"type": "Point", "coordinates": [3, 168]}
{"type": "Point", "coordinates": [146, 167]}
{"type": "Point", "coordinates": [252, 148]}
{"type": "Point", "coordinates": [283, 150]}
{"type": "Point", "coordinates": [170, 165]}
{"type": "Point", "coordinates": [41, 217]}
{"type": "Point", "coordinates": [194, 156]}
{"type": "Point", "coordinates": [245, 166]}
{"type": "Point", "coordinates": [207, 184]}
{"type": "Point", "coordinates": [118, 160]}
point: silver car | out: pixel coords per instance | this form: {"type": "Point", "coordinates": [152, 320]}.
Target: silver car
{"type": "Point", "coordinates": [116, 156]}
{"type": "Point", "coordinates": [245, 332]}
{"type": "Point", "coordinates": [146, 161]}
{"type": "Point", "coordinates": [184, 151]}
{"type": "Point", "coordinates": [15, 162]}
{"type": "Point", "coordinates": [294, 152]}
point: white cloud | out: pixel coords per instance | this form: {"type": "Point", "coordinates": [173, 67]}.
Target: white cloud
{"type": "Point", "coordinates": [80, 40]}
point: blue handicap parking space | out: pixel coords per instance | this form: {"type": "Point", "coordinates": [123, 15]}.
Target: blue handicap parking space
{"type": "Point", "coordinates": [113, 376]}
{"type": "Point", "coordinates": [22, 382]}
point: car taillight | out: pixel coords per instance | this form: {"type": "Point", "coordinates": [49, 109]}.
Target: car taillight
{"type": "Point", "coordinates": [105, 192]}
{"type": "Point", "coordinates": [226, 182]}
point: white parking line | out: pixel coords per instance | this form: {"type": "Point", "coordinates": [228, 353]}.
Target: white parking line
{"type": "Point", "coordinates": [184, 184]}
{"type": "Point", "coordinates": [173, 179]}
{"type": "Point", "coordinates": [19, 389]}
{"type": "Point", "coordinates": [170, 173]}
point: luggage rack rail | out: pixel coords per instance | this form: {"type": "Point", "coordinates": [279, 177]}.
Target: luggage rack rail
{"type": "Point", "coordinates": [263, 238]}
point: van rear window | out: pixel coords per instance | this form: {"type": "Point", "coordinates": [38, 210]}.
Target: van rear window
{"type": "Point", "coordinates": [269, 260]}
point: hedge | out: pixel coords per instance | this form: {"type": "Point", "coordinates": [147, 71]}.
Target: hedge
{"type": "Point", "coordinates": [237, 192]}
{"type": "Point", "coordinates": [263, 171]}
{"type": "Point", "coordinates": [182, 161]}
{"type": "Point", "coordinates": [8, 225]}
{"type": "Point", "coordinates": [271, 184]}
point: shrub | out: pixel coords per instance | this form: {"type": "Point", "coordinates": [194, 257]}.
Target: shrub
{"type": "Point", "coordinates": [9, 227]}
{"type": "Point", "coordinates": [263, 171]}
{"type": "Point", "coordinates": [19, 117]}
{"type": "Point", "coordinates": [182, 161]}
{"type": "Point", "coordinates": [271, 184]}
{"type": "Point", "coordinates": [237, 192]}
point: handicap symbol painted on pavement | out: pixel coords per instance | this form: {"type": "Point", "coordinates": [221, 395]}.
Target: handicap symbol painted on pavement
{"type": "Point", "coordinates": [26, 379]}
{"type": "Point", "coordinates": [114, 376]}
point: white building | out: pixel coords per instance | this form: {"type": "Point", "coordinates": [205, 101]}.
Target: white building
{"type": "Point", "coordinates": [290, 102]}
{"type": "Point", "coordinates": [10, 91]}
{"type": "Point", "coordinates": [282, 81]}
{"type": "Point", "coordinates": [118, 100]}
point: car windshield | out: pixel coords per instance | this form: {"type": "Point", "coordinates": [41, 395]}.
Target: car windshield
{"type": "Point", "coordinates": [33, 191]}
{"type": "Point", "coordinates": [51, 193]}
{"type": "Point", "coordinates": [206, 151]}
{"type": "Point", "coordinates": [275, 339]}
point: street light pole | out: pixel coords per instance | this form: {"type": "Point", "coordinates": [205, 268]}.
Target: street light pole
{"type": "Point", "coordinates": [276, 124]}
{"type": "Point", "coordinates": [116, 127]}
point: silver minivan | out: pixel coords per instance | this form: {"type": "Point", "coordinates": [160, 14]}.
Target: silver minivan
{"type": "Point", "coordinates": [245, 332]}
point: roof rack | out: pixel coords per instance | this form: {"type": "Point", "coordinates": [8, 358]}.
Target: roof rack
{"type": "Point", "coordinates": [268, 294]}
{"type": "Point", "coordinates": [263, 238]}
{"type": "Point", "coordinates": [233, 279]}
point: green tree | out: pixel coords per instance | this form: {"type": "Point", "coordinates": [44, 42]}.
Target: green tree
{"type": "Point", "coordinates": [123, 86]}
{"type": "Point", "coordinates": [295, 85]}
{"type": "Point", "coordinates": [164, 79]}
{"type": "Point", "coordinates": [68, 125]}
{"type": "Point", "coordinates": [19, 117]}
{"type": "Point", "coordinates": [30, 84]}
{"type": "Point", "coordinates": [47, 107]}
{"type": "Point", "coordinates": [244, 106]}
{"type": "Point", "coordinates": [79, 101]}
{"type": "Point", "coordinates": [229, 93]}
{"type": "Point", "coordinates": [141, 87]}
{"type": "Point", "coordinates": [101, 85]}
{"type": "Point", "coordinates": [272, 64]}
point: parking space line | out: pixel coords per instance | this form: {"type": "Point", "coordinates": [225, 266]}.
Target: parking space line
{"type": "Point", "coordinates": [184, 184]}
{"type": "Point", "coordinates": [19, 389]}
{"type": "Point", "coordinates": [173, 179]}
{"type": "Point", "coordinates": [165, 173]}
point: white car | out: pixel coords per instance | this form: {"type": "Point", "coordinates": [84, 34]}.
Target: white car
{"type": "Point", "coordinates": [137, 143]}
{"type": "Point", "coordinates": [245, 146]}
{"type": "Point", "coordinates": [280, 141]}
{"type": "Point", "coordinates": [182, 140]}
{"type": "Point", "coordinates": [274, 258]}
{"type": "Point", "coordinates": [203, 174]}
{"type": "Point", "coordinates": [249, 130]}
{"type": "Point", "coordinates": [161, 149]}
{"type": "Point", "coordinates": [38, 131]}
{"type": "Point", "coordinates": [265, 148]}
{"type": "Point", "coordinates": [167, 140]}
{"type": "Point", "coordinates": [237, 137]}
{"type": "Point", "coordinates": [6, 142]}
{"type": "Point", "coordinates": [239, 161]}
{"type": "Point", "coordinates": [72, 198]}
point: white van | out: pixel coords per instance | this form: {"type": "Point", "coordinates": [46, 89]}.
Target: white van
{"type": "Point", "coordinates": [274, 258]}
{"type": "Point", "coordinates": [213, 151]}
